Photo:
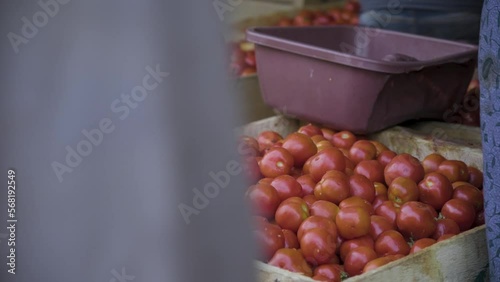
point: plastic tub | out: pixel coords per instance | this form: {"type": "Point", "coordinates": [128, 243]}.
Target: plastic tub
{"type": "Point", "coordinates": [360, 79]}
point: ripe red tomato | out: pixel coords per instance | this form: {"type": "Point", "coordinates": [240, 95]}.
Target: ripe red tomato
{"type": "Point", "coordinates": [323, 145]}
{"type": "Point", "coordinates": [362, 150]}
{"type": "Point", "coordinates": [422, 244]}
{"type": "Point", "coordinates": [343, 139]}
{"type": "Point", "coordinates": [347, 246]}
{"type": "Point", "coordinates": [479, 219]}
{"type": "Point", "coordinates": [432, 162]}
{"type": "Point", "coordinates": [328, 133]}
{"type": "Point", "coordinates": [317, 138]}
{"type": "Point", "coordinates": [357, 258]}
{"type": "Point", "coordinates": [250, 59]}
{"type": "Point", "coordinates": [317, 222]}
{"type": "Point", "coordinates": [379, 224]}
{"type": "Point", "coordinates": [356, 201]}
{"type": "Point", "coordinates": [291, 241]}
{"type": "Point", "coordinates": [325, 160]}
{"type": "Point", "coordinates": [379, 200]}
{"type": "Point", "coordinates": [379, 147]}
{"type": "Point", "coordinates": [269, 238]}
{"type": "Point", "coordinates": [353, 222]}
{"type": "Point", "coordinates": [267, 139]}
{"type": "Point", "coordinates": [445, 226]}
{"type": "Point", "coordinates": [376, 263]}
{"type": "Point", "coordinates": [460, 211]}
{"type": "Point", "coordinates": [300, 146]}
{"type": "Point", "coordinates": [287, 187]}
{"type": "Point", "coordinates": [349, 166]}
{"type": "Point", "coordinates": [435, 189]}
{"type": "Point", "coordinates": [291, 213]}
{"type": "Point", "coordinates": [310, 130]}
{"type": "Point", "coordinates": [404, 165]}
{"type": "Point", "coordinates": [454, 170]}
{"type": "Point", "coordinates": [318, 246]}
{"type": "Point", "coordinates": [276, 162]}
{"type": "Point", "coordinates": [470, 194]}
{"type": "Point", "coordinates": [415, 220]}
{"type": "Point", "coordinates": [324, 209]}
{"type": "Point", "coordinates": [263, 199]}
{"type": "Point", "coordinates": [310, 200]}
{"type": "Point", "coordinates": [307, 184]}
{"type": "Point", "coordinates": [266, 180]}
{"type": "Point", "coordinates": [380, 189]}
{"type": "Point", "coordinates": [391, 242]}
{"type": "Point", "coordinates": [248, 146]}
{"type": "Point", "coordinates": [362, 187]}
{"type": "Point", "coordinates": [328, 272]}
{"type": "Point", "coordinates": [371, 169]}
{"type": "Point", "coordinates": [333, 188]}
{"type": "Point", "coordinates": [389, 210]}
{"type": "Point", "coordinates": [291, 260]}
{"type": "Point", "coordinates": [475, 177]}
{"type": "Point", "coordinates": [402, 190]}
{"type": "Point", "coordinates": [385, 157]}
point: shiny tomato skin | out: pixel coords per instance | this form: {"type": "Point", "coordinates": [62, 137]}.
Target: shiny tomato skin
{"type": "Point", "coordinates": [324, 209]}
{"type": "Point", "coordinates": [277, 161]}
{"type": "Point", "coordinates": [307, 184]}
{"type": "Point", "coordinates": [385, 157]}
{"type": "Point", "coordinates": [310, 200]}
{"type": "Point", "coordinates": [328, 272]}
{"type": "Point", "coordinates": [389, 210]}
{"type": "Point", "coordinates": [317, 138]}
{"type": "Point", "coordinates": [287, 187]}
{"type": "Point", "coordinates": [445, 226]}
{"type": "Point", "coordinates": [323, 145]}
{"type": "Point", "coordinates": [356, 201]}
{"type": "Point", "coordinates": [379, 147]}
{"type": "Point", "coordinates": [317, 222]}
{"type": "Point", "coordinates": [291, 241]}
{"type": "Point", "coordinates": [380, 189]}
{"type": "Point", "coordinates": [349, 166]}
{"type": "Point", "coordinates": [379, 200]}
{"type": "Point", "coordinates": [432, 162]}
{"type": "Point", "coordinates": [462, 212]}
{"type": "Point", "coordinates": [343, 139]}
{"type": "Point", "coordinates": [422, 244]}
{"type": "Point", "coordinates": [415, 220]}
{"type": "Point", "coordinates": [435, 189]}
{"type": "Point", "coordinates": [266, 180]}
{"type": "Point", "coordinates": [291, 213]}
{"type": "Point", "coordinates": [328, 133]}
{"type": "Point", "coordinates": [470, 194]}
{"type": "Point", "coordinates": [362, 150]}
{"type": "Point", "coordinates": [362, 187]}
{"type": "Point", "coordinates": [479, 219]}
{"type": "Point", "coordinates": [404, 165]}
{"type": "Point", "coordinates": [310, 130]}
{"type": "Point", "coordinates": [325, 160]}
{"type": "Point", "coordinates": [300, 146]}
{"type": "Point", "coordinates": [391, 242]}
{"type": "Point", "coordinates": [402, 190]}
{"type": "Point", "coordinates": [475, 177]}
{"type": "Point", "coordinates": [376, 263]}
{"type": "Point", "coordinates": [269, 238]}
{"type": "Point", "coordinates": [371, 169]}
{"type": "Point", "coordinates": [357, 258]}
{"type": "Point", "coordinates": [333, 188]}
{"type": "Point", "coordinates": [318, 246]}
{"type": "Point", "coordinates": [454, 170]}
{"type": "Point", "coordinates": [459, 183]}
{"type": "Point", "coordinates": [267, 139]}
{"type": "Point", "coordinates": [379, 224]}
{"type": "Point", "coordinates": [291, 260]}
{"type": "Point", "coordinates": [264, 199]}
{"type": "Point", "coordinates": [353, 222]}
{"type": "Point", "coordinates": [347, 246]}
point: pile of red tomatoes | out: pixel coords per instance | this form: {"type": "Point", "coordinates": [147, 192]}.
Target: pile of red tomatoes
{"type": "Point", "coordinates": [331, 205]}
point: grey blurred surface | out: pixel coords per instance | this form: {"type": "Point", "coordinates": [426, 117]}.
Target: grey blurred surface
{"type": "Point", "coordinates": [116, 213]}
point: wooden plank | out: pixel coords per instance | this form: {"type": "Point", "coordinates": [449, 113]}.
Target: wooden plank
{"type": "Point", "coordinates": [461, 258]}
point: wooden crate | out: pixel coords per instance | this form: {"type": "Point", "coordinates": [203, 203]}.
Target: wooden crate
{"type": "Point", "coordinates": [461, 258]}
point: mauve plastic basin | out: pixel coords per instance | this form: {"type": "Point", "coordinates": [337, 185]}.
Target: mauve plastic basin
{"type": "Point", "coordinates": [360, 79]}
